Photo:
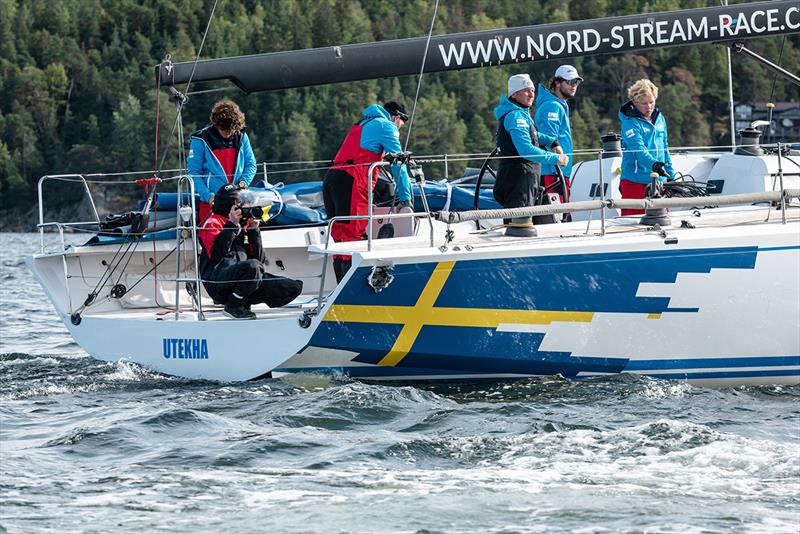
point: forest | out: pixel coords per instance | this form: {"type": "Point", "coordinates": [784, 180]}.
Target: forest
{"type": "Point", "coordinates": [78, 92]}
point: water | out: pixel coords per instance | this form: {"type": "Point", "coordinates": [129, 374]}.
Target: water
{"type": "Point", "coordinates": [94, 447]}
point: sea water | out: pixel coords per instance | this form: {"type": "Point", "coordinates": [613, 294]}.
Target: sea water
{"type": "Point", "coordinates": [89, 446]}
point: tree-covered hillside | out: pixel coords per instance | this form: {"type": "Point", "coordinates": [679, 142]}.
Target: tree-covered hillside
{"type": "Point", "coordinates": [78, 94]}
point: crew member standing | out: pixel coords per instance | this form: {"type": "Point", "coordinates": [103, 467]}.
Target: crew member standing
{"type": "Point", "coordinates": [552, 118]}
{"type": "Point", "coordinates": [345, 187]}
{"type": "Point", "coordinates": [521, 158]}
{"type": "Point", "coordinates": [220, 154]}
{"type": "Point", "coordinates": [645, 145]}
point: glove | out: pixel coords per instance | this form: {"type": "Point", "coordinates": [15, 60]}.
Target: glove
{"type": "Point", "coordinates": [658, 167]}
{"type": "Point", "coordinates": [416, 173]}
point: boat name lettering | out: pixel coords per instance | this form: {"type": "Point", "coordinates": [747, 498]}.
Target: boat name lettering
{"type": "Point", "coordinates": [610, 38]}
{"type": "Point", "coordinates": [185, 348]}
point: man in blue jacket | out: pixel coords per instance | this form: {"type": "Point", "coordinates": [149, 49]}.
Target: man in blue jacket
{"type": "Point", "coordinates": [521, 156]}
{"type": "Point", "coordinates": [220, 154]}
{"type": "Point", "coordinates": [346, 185]}
{"type": "Point", "coordinates": [552, 118]}
{"type": "Point", "coordinates": [645, 145]}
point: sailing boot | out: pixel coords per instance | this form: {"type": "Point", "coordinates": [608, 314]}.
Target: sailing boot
{"type": "Point", "coordinates": [521, 227]}
{"type": "Point", "coordinates": [235, 309]}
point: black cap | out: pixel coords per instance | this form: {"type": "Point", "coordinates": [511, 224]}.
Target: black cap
{"type": "Point", "coordinates": [395, 108]}
{"type": "Point", "coordinates": [225, 198]}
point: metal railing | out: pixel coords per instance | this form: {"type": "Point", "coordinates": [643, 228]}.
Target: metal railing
{"type": "Point", "coordinates": [600, 203]}
{"type": "Point", "coordinates": [453, 217]}
{"type": "Point", "coordinates": [42, 225]}
{"type": "Point", "coordinates": [183, 217]}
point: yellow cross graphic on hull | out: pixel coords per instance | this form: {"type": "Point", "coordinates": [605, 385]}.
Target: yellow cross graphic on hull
{"type": "Point", "coordinates": [423, 313]}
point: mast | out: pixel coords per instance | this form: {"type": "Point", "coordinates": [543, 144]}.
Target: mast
{"type": "Point", "coordinates": [400, 57]}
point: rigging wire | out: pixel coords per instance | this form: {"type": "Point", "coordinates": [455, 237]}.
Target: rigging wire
{"type": "Point", "coordinates": [180, 100]}
{"type": "Point", "coordinates": [770, 104]}
{"type": "Point", "coordinates": [421, 71]}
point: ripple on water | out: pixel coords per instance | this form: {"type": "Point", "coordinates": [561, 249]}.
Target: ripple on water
{"type": "Point", "coordinates": [113, 446]}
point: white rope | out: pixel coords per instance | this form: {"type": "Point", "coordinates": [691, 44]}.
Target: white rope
{"type": "Point", "coordinates": [449, 197]}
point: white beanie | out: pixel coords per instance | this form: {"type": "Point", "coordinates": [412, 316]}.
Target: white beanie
{"type": "Point", "coordinates": [518, 82]}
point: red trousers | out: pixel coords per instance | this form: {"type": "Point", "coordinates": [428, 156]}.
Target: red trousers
{"type": "Point", "coordinates": [633, 190]}
{"type": "Point", "coordinates": [550, 179]}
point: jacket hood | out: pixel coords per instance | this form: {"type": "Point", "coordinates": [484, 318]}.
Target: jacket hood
{"type": "Point", "coordinates": [629, 111]}
{"type": "Point", "coordinates": [544, 95]}
{"type": "Point", "coordinates": [375, 111]}
{"type": "Point", "coordinates": [505, 106]}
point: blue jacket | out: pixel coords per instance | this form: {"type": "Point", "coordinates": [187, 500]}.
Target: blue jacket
{"type": "Point", "coordinates": [206, 171]}
{"type": "Point", "coordinates": [552, 118]}
{"type": "Point", "coordinates": [517, 123]}
{"type": "Point", "coordinates": [381, 135]}
{"type": "Point", "coordinates": [644, 142]}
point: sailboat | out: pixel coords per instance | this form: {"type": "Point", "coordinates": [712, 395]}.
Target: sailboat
{"type": "Point", "coordinates": [707, 292]}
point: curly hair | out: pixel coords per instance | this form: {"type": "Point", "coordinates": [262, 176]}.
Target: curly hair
{"type": "Point", "coordinates": [641, 88]}
{"type": "Point", "coordinates": [553, 83]}
{"type": "Point", "coordinates": [226, 115]}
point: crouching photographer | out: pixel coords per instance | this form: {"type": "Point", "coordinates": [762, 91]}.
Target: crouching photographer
{"type": "Point", "coordinates": [232, 261]}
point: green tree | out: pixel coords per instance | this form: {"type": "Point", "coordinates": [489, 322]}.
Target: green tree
{"type": "Point", "coordinates": [438, 130]}
{"type": "Point", "coordinates": [129, 137]}
{"type": "Point", "coordinates": [301, 138]}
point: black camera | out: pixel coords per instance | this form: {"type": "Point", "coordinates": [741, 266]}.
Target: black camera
{"type": "Point", "coordinates": [253, 212]}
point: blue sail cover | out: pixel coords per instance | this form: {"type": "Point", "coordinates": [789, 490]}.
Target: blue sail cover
{"type": "Point", "coordinates": [302, 204]}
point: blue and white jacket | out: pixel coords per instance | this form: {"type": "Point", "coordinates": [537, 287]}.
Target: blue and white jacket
{"type": "Point", "coordinates": [517, 122]}
{"type": "Point", "coordinates": [552, 118]}
{"type": "Point", "coordinates": [205, 169]}
{"type": "Point", "coordinates": [644, 142]}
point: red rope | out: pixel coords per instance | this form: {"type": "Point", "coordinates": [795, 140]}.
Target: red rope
{"type": "Point", "coordinates": [158, 109]}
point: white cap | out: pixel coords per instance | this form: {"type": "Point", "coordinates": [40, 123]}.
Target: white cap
{"type": "Point", "coordinates": [567, 72]}
{"type": "Point", "coordinates": [518, 82]}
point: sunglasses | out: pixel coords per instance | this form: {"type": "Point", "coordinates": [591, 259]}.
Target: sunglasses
{"type": "Point", "coordinates": [573, 82]}
{"type": "Point", "coordinates": [402, 116]}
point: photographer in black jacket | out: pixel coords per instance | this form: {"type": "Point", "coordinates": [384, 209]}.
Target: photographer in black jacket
{"type": "Point", "coordinates": [232, 262]}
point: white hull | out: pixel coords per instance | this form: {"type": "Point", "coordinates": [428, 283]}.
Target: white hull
{"type": "Point", "coordinates": [727, 310]}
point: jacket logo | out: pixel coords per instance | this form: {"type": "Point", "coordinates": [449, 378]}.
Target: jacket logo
{"type": "Point", "coordinates": [185, 349]}
{"type": "Point", "coordinates": [522, 122]}
{"type": "Point", "coordinates": [630, 133]}
{"type": "Point", "coordinates": [191, 153]}
{"type": "Point", "coordinates": [553, 116]}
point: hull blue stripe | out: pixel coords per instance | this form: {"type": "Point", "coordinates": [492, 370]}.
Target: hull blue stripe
{"type": "Point", "coordinates": [399, 372]}
{"type": "Point", "coordinates": [376, 371]}
{"type": "Point", "coordinates": [699, 363]}
{"type": "Point", "coordinates": [730, 374]}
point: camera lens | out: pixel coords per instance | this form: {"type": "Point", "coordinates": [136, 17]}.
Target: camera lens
{"type": "Point", "coordinates": [254, 212]}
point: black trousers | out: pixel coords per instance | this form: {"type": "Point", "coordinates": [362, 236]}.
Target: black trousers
{"type": "Point", "coordinates": [247, 282]}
